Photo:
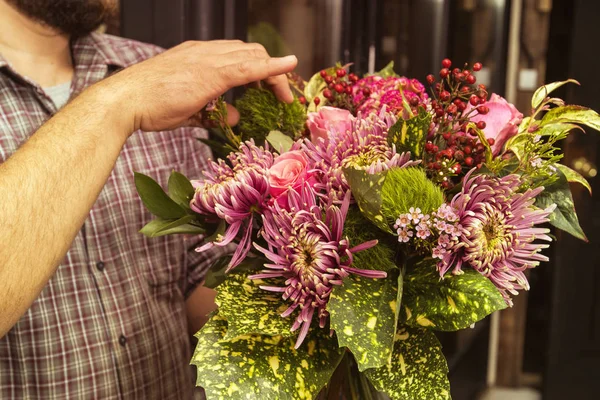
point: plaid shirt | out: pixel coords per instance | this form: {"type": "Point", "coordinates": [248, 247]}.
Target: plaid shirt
{"type": "Point", "coordinates": [111, 322]}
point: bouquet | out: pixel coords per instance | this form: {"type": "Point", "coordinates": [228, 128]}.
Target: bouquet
{"type": "Point", "coordinates": [362, 218]}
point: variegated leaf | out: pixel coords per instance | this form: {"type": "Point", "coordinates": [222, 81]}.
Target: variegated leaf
{"type": "Point", "coordinates": [249, 309]}
{"type": "Point", "coordinates": [260, 367]}
{"type": "Point", "coordinates": [573, 114]}
{"type": "Point", "coordinates": [366, 190]}
{"type": "Point", "coordinates": [363, 314]}
{"type": "Point", "coordinates": [543, 92]}
{"type": "Point", "coordinates": [574, 176]}
{"type": "Point", "coordinates": [454, 303]}
{"type": "Point", "coordinates": [418, 370]}
{"type": "Point", "coordinates": [409, 135]}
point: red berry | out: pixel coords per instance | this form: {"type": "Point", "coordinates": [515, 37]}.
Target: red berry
{"type": "Point", "coordinates": [467, 149]}
{"type": "Point", "coordinates": [366, 91]}
{"type": "Point", "coordinates": [428, 147]}
{"type": "Point", "coordinates": [474, 100]}
{"type": "Point", "coordinates": [338, 88]}
{"type": "Point", "coordinates": [445, 95]}
{"type": "Point", "coordinates": [477, 66]}
{"type": "Point", "coordinates": [444, 73]}
{"type": "Point", "coordinates": [435, 149]}
{"type": "Point", "coordinates": [452, 109]}
{"type": "Point", "coordinates": [471, 79]}
{"type": "Point", "coordinates": [461, 77]}
{"type": "Point", "coordinates": [414, 101]}
{"type": "Point", "coordinates": [480, 148]}
{"type": "Point", "coordinates": [465, 89]}
{"type": "Point", "coordinates": [437, 166]}
{"type": "Point", "coordinates": [439, 112]}
{"type": "Point", "coordinates": [302, 100]}
{"type": "Point", "coordinates": [430, 79]}
{"type": "Point", "coordinates": [456, 71]}
{"type": "Point", "coordinates": [459, 155]}
{"type": "Point", "coordinates": [450, 152]}
{"type": "Point", "coordinates": [469, 161]}
{"type": "Point", "coordinates": [353, 78]}
{"type": "Point", "coordinates": [340, 72]}
{"type": "Point", "coordinates": [491, 141]}
{"type": "Point", "coordinates": [481, 125]}
{"type": "Point", "coordinates": [457, 169]}
{"type": "Point", "coordinates": [328, 79]}
{"type": "Point", "coordinates": [446, 63]}
{"type": "Point", "coordinates": [483, 110]}
{"type": "Point", "coordinates": [327, 94]}
{"type": "Point", "coordinates": [446, 135]}
{"type": "Point", "coordinates": [445, 184]}
{"type": "Point", "coordinates": [317, 101]}
{"type": "Point", "coordinates": [323, 73]}
{"type": "Point", "coordinates": [348, 90]}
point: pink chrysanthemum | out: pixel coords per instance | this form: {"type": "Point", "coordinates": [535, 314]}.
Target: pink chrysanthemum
{"type": "Point", "coordinates": [364, 146]}
{"type": "Point", "coordinates": [234, 194]}
{"type": "Point", "coordinates": [498, 230]}
{"type": "Point", "coordinates": [307, 249]}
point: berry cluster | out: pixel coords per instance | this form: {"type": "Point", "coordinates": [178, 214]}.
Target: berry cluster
{"type": "Point", "coordinates": [455, 146]}
{"type": "Point", "coordinates": [339, 87]}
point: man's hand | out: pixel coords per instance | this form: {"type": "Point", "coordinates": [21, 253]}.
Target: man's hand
{"type": "Point", "coordinates": [164, 92]}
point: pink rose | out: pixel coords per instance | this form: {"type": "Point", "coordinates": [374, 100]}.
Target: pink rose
{"type": "Point", "coordinates": [501, 123]}
{"type": "Point", "coordinates": [289, 171]}
{"type": "Point", "coordinates": [328, 118]}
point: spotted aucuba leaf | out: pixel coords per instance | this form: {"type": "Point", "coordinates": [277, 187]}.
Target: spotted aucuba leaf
{"type": "Point", "coordinates": [261, 367]}
{"type": "Point", "coordinates": [456, 302]}
{"type": "Point", "coordinates": [363, 314]}
{"type": "Point", "coordinates": [249, 309]}
{"type": "Point", "coordinates": [418, 370]}
{"type": "Point", "coordinates": [410, 134]}
{"type": "Point", "coordinates": [366, 190]}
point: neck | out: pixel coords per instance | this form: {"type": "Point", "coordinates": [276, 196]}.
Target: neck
{"type": "Point", "coordinates": [34, 50]}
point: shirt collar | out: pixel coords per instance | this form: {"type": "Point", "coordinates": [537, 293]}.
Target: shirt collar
{"type": "Point", "coordinates": [90, 50]}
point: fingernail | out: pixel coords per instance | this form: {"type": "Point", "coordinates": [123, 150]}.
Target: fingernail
{"type": "Point", "coordinates": [288, 59]}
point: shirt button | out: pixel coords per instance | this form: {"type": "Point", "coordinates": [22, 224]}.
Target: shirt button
{"type": "Point", "coordinates": [122, 340]}
{"type": "Point", "coordinates": [100, 265]}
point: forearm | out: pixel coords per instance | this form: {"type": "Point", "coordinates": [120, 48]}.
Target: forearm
{"type": "Point", "coordinates": [48, 187]}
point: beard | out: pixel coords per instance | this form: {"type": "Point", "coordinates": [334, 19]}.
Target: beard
{"type": "Point", "coordinates": [74, 18]}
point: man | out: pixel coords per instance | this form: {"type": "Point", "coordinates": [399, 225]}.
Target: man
{"type": "Point", "coordinates": [89, 308]}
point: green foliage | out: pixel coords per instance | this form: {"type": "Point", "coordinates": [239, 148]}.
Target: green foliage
{"type": "Point", "coordinates": [454, 303]}
{"type": "Point", "coordinates": [418, 369]}
{"type": "Point", "coordinates": [250, 309]}
{"type": "Point", "coordinates": [359, 230]}
{"type": "Point", "coordinates": [280, 142]}
{"type": "Point", "coordinates": [267, 35]}
{"type": "Point", "coordinates": [363, 313]}
{"type": "Point", "coordinates": [261, 113]}
{"type": "Point", "coordinates": [574, 176]}
{"type": "Point", "coordinates": [366, 190]}
{"type": "Point", "coordinates": [180, 189]}
{"type": "Point", "coordinates": [540, 95]}
{"type": "Point", "coordinates": [564, 215]}
{"type": "Point", "coordinates": [387, 71]}
{"type": "Point", "coordinates": [408, 187]}
{"type": "Point", "coordinates": [160, 227]}
{"type": "Point", "coordinates": [156, 200]}
{"type": "Point", "coordinates": [410, 134]}
{"type": "Point", "coordinates": [263, 367]}
{"type": "Point", "coordinates": [572, 114]}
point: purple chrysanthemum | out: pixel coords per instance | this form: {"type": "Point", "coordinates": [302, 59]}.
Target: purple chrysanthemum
{"type": "Point", "coordinates": [307, 249]}
{"type": "Point", "coordinates": [364, 146]}
{"type": "Point", "coordinates": [498, 228]}
{"type": "Point", "coordinates": [234, 194]}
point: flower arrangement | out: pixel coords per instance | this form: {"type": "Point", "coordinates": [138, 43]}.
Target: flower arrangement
{"type": "Point", "coordinates": [361, 219]}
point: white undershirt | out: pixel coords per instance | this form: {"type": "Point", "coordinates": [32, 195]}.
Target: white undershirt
{"type": "Point", "coordinates": [59, 94]}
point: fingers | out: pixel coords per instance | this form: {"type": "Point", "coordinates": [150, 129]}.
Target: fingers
{"type": "Point", "coordinates": [271, 70]}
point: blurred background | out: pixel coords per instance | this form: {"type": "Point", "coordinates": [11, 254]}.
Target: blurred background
{"type": "Point", "coordinates": [548, 345]}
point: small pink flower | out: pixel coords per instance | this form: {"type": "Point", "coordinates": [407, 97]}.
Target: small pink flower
{"type": "Point", "coordinates": [438, 252]}
{"type": "Point", "coordinates": [443, 240]}
{"type": "Point", "coordinates": [289, 171]}
{"type": "Point", "coordinates": [328, 118]}
{"type": "Point", "coordinates": [501, 122]}
{"type": "Point", "coordinates": [415, 214]}
{"type": "Point", "coordinates": [402, 221]}
{"type": "Point", "coordinates": [423, 232]}
{"type": "Point", "coordinates": [404, 235]}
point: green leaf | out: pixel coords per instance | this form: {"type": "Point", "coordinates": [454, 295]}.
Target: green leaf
{"type": "Point", "coordinates": [160, 227]}
{"type": "Point", "coordinates": [540, 95]}
{"type": "Point", "coordinates": [564, 215]}
{"type": "Point", "coordinates": [280, 142]}
{"type": "Point", "coordinates": [410, 135]}
{"type": "Point", "coordinates": [574, 176]}
{"type": "Point", "coordinates": [363, 315]}
{"type": "Point", "coordinates": [387, 71]}
{"type": "Point", "coordinates": [316, 84]}
{"type": "Point", "coordinates": [263, 367]}
{"type": "Point", "coordinates": [155, 199]}
{"type": "Point", "coordinates": [217, 274]}
{"type": "Point", "coordinates": [454, 303]}
{"type": "Point", "coordinates": [418, 369]}
{"type": "Point", "coordinates": [573, 114]}
{"type": "Point", "coordinates": [366, 190]}
{"type": "Point", "coordinates": [249, 309]}
{"type": "Point", "coordinates": [180, 189]}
